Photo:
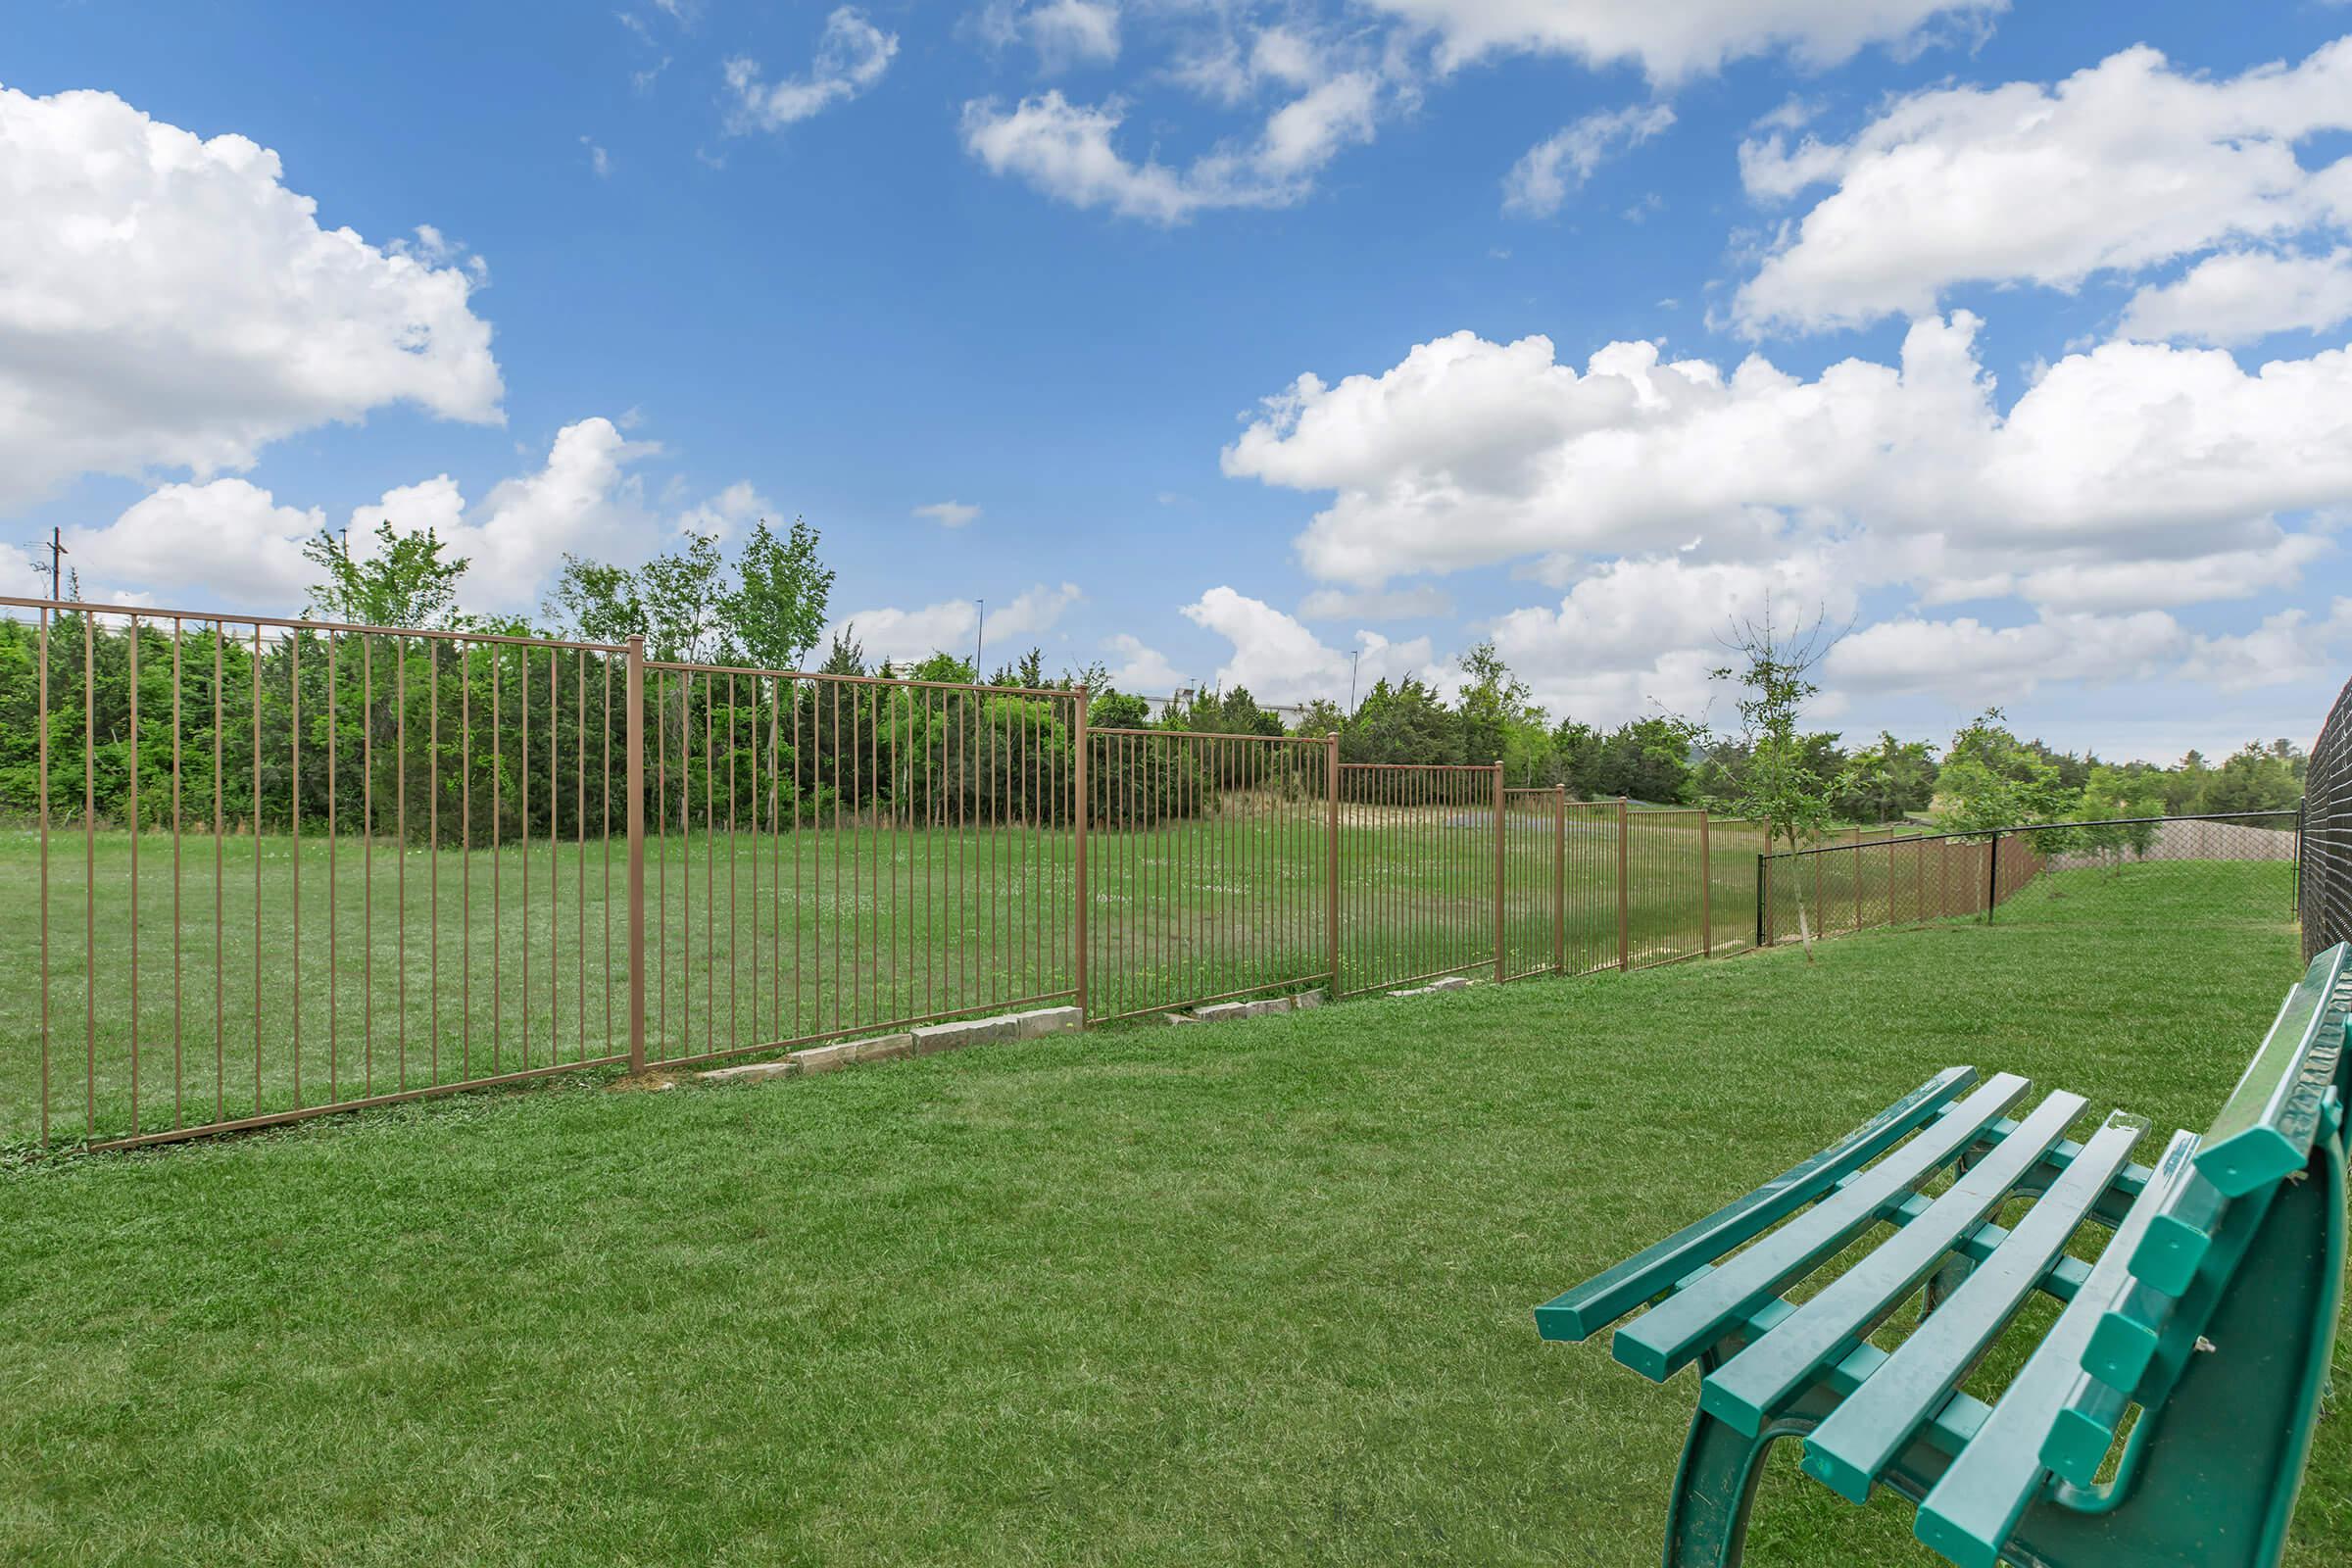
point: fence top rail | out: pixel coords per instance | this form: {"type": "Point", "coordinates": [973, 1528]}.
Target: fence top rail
{"type": "Point", "coordinates": [681, 666]}
{"type": "Point", "coordinates": [152, 612]}
{"type": "Point", "coordinates": [1644, 814]}
{"type": "Point", "coordinates": [1213, 735]}
{"type": "Point", "coordinates": [1423, 768]}
{"type": "Point", "coordinates": [2240, 817]}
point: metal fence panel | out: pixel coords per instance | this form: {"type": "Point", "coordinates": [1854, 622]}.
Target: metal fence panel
{"type": "Point", "coordinates": [1420, 863]}
{"type": "Point", "coordinates": [2323, 888]}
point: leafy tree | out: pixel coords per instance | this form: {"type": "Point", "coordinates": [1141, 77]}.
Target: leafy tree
{"type": "Point", "coordinates": [2256, 779]}
{"type": "Point", "coordinates": [1321, 716]}
{"type": "Point", "coordinates": [2112, 793]}
{"type": "Point", "coordinates": [1991, 780]}
{"type": "Point", "coordinates": [595, 601]}
{"type": "Point", "coordinates": [1403, 722]}
{"type": "Point", "coordinates": [1885, 781]}
{"type": "Point", "coordinates": [405, 582]}
{"type": "Point", "coordinates": [774, 613]}
{"type": "Point", "coordinates": [1645, 759]}
{"type": "Point", "coordinates": [683, 592]}
{"type": "Point", "coordinates": [1117, 710]}
{"type": "Point", "coordinates": [1779, 785]}
{"type": "Point", "coordinates": [1492, 702]}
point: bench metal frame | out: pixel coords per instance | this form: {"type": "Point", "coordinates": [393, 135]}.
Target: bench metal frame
{"type": "Point", "coordinates": [2211, 1311]}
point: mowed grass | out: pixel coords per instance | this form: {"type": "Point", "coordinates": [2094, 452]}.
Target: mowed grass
{"type": "Point", "coordinates": [400, 969]}
{"type": "Point", "coordinates": [1250, 1293]}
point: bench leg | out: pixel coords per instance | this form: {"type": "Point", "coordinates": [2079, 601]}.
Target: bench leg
{"type": "Point", "coordinates": [1706, 1523]}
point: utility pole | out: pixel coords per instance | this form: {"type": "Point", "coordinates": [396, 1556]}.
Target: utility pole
{"type": "Point", "coordinates": [1352, 664]}
{"type": "Point", "coordinates": [57, 551]}
{"type": "Point", "coordinates": [979, 635]}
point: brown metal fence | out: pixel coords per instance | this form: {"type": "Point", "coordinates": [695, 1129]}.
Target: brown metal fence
{"type": "Point", "coordinates": [1864, 884]}
{"type": "Point", "coordinates": [1421, 854]}
{"type": "Point", "coordinates": [1209, 868]}
{"type": "Point", "coordinates": [270, 869]}
{"type": "Point", "coordinates": [831, 855]}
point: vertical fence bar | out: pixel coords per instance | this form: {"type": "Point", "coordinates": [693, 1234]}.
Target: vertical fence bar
{"type": "Point", "coordinates": [1992, 876]}
{"type": "Point", "coordinates": [1501, 970]}
{"type": "Point", "coordinates": [1081, 809]}
{"type": "Point", "coordinates": [1624, 955]}
{"type": "Point", "coordinates": [1706, 891]}
{"type": "Point", "coordinates": [1331, 900]}
{"type": "Point", "coordinates": [634, 699]}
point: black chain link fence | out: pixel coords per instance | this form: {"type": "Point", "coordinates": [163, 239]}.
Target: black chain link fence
{"type": "Point", "coordinates": [2323, 895]}
{"type": "Point", "coordinates": [2164, 870]}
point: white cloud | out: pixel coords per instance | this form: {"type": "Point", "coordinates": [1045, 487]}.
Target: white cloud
{"type": "Point", "coordinates": [1670, 39]}
{"type": "Point", "coordinates": [193, 546]}
{"type": "Point", "coordinates": [1067, 151]}
{"type": "Point", "coordinates": [1540, 182]}
{"type": "Point", "coordinates": [1073, 32]}
{"type": "Point", "coordinates": [1636, 632]}
{"type": "Point", "coordinates": [2286, 647]}
{"type": "Point", "coordinates": [1975, 664]}
{"type": "Point", "coordinates": [231, 542]}
{"type": "Point", "coordinates": [1470, 452]}
{"type": "Point", "coordinates": [2238, 296]}
{"type": "Point", "coordinates": [2124, 165]}
{"type": "Point", "coordinates": [948, 514]}
{"type": "Point", "coordinates": [600, 162]}
{"type": "Point", "coordinates": [1143, 671]}
{"type": "Point", "coordinates": [727, 514]}
{"type": "Point", "coordinates": [907, 636]}
{"type": "Point", "coordinates": [1401, 604]}
{"type": "Point", "coordinates": [852, 54]}
{"type": "Point", "coordinates": [168, 303]}
{"type": "Point", "coordinates": [1280, 660]}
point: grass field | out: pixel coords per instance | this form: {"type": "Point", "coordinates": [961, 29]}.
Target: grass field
{"type": "Point", "coordinates": [441, 967]}
{"type": "Point", "coordinates": [1235, 1295]}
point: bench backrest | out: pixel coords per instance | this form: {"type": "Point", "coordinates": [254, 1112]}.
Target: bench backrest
{"type": "Point", "coordinates": [2282, 1129]}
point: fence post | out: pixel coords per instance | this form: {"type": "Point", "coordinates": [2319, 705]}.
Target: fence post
{"type": "Point", "coordinates": [1706, 892]}
{"type": "Point", "coordinates": [1499, 967]}
{"type": "Point", "coordinates": [634, 722]}
{"type": "Point", "coordinates": [1992, 876]}
{"type": "Point", "coordinates": [1763, 872]}
{"type": "Point", "coordinates": [1559, 878]}
{"type": "Point", "coordinates": [1081, 809]}
{"type": "Point", "coordinates": [1331, 779]}
{"type": "Point", "coordinates": [1624, 952]}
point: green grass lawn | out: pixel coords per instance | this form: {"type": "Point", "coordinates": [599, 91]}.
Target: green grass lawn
{"type": "Point", "coordinates": [449, 966]}
{"type": "Point", "coordinates": [1251, 1294]}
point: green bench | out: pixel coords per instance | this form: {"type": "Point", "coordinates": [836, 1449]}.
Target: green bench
{"type": "Point", "coordinates": [2210, 1312]}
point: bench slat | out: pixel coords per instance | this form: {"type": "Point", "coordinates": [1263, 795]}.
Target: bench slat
{"type": "Point", "coordinates": [1747, 1389]}
{"type": "Point", "coordinates": [2177, 1239]}
{"type": "Point", "coordinates": [2265, 1130]}
{"type": "Point", "coordinates": [1578, 1314]}
{"type": "Point", "coordinates": [1849, 1450]}
{"type": "Point", "coordinates": [1969, 1514]}
{"type": "Point", "coordinates": [1677, 1330]}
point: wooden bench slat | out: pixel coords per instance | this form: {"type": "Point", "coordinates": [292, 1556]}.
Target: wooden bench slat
{"type": "Point", "coordinates": [2265, 1130]}
{"type": "Point", "coordinates": [1677, 1330]}
{"type": "Point", "coordinates": [1748, 1388]}
{"type": "Point", "coordinates": [1578, 1314]}
{"type": "Point", "coordinates": [1851, 1448]}
{"type": "Point", "coordinates": [1969, 1514]}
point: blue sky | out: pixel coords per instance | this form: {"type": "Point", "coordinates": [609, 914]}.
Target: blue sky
{"type": "Point", "coordinates": [621, 269]}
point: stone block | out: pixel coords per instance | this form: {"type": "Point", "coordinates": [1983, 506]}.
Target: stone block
{"type": "Point", "coordinates": [883, 1048]}
{"type": "Point", "coordinates": [752, 1072]}
{"type": "Point", "coordinates": [935, 1038]}
{"type": "Point", "coordinates": [825, 1058]}
{"type": "Point", "coordinates": [1047, 1021]}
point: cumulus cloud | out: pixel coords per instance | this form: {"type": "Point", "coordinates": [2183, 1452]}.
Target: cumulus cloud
{"type": "Point", "coordinates": [1065, 33]}
{"type": "Point", "coordinates": [905, 636]}
{"type": "Point", "coordinates": [229, 542]}
{"type": "Point", "coordinates": [169, 303]}
{"type": "Point", "coordinates": [852, 54]}
{"type": "Point", "coordinates": [2123, 167]}
{"type": "Point", "coordinates": [2238, 296]}
{"type": "Point", "coordinates": [1973, 662]}
{"type": "Point", "coordinates": [1069, 152]}
{"type": "Point", "coordinates": [1540, 182]}
{"type": "Point", "coordinates": [948, 514]}
{"type": "Point", "coordinates": [1670, 39]}
{"type": "Point", "coordinates": [1399, 604]}
{"type": "Point", "coordinates": [1142, 670]}
{"type": "Point", "coordinates": [1280, 660]}
{"type": "Point", "coordinates": [1470, 452]}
